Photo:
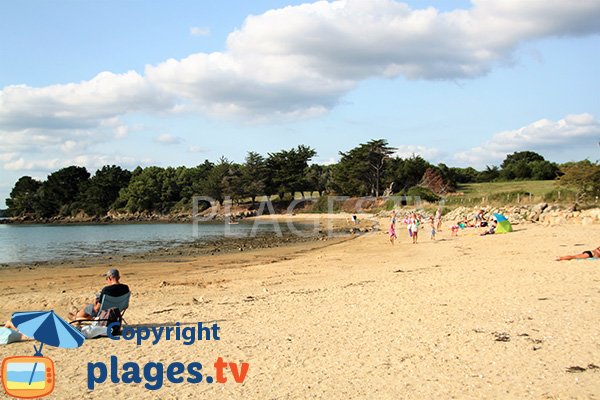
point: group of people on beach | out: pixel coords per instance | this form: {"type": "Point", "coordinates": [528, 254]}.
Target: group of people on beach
{"type": "Point", "coordinates": [413, 222]}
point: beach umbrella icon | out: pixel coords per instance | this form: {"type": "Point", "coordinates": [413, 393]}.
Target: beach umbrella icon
{"type": "Point", "coordinates": [47, 328]}
{"type": "Point", "coordinates": [504, 225]}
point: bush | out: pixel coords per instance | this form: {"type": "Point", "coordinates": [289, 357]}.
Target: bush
{"type": "Point", "coordinates": [423, 193]}
{"type": "Point", "coordinates": [559, 195]}
{"type": "Point", "coordinates": [322, 205]}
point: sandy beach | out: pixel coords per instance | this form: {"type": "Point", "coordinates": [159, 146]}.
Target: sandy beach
{"type": "Point", "coordinates": [349, 318]}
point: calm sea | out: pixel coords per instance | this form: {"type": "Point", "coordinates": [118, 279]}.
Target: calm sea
{"type": "Point", "coordinates": [31, 243]}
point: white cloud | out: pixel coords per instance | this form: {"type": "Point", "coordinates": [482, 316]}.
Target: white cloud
{"type": "Point", "coordinates": [91, 161]}
{"type": "Point", "coordinates": [406, 151]}
{"type": "Point", "coordinates": [289, 62]}
{"type": "Point", "coordinates": [167, 138]}
{"type": "Point", "coordinates": [197, 31]}
{"type": "Point", "coordinates": [545, 136]}
{"type": "Point", "coordinates": [294, 62]}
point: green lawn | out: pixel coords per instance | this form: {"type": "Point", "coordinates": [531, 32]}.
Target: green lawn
{"type": "Point", "coordinates": [536, 188]}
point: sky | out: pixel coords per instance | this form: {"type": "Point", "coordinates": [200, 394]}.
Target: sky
{"type": "Point", "coordinates": [130, 83]}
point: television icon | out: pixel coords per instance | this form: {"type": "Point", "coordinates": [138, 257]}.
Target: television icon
{"type": "Point", "coordinates": [28, 377]}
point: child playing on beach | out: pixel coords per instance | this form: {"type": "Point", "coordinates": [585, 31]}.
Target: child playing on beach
{"type": "Point", "coordinates": [454, 229]}
{"type": "Point", "coordinates": [392, 232]}
{"type": "Point", "coordinates": [586, 254]}
{"type": "Point", "coordinates": [414, 227]}
{"type": "Point", "coordinates": [432, 226]}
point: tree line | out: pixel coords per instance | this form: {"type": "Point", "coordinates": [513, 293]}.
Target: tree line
{"type": "Point", "coordinates": [368, 169]}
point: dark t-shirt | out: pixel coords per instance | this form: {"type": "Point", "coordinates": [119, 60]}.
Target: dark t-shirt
{"type": "Point", "coordinates": [116, 290]}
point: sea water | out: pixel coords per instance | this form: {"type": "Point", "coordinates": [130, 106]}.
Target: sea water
{"type": "Point", "coordinates": [36, 243]}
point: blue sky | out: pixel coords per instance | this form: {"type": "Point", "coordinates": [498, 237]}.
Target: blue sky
{"type": "Point", "coordinates": [155, 83]}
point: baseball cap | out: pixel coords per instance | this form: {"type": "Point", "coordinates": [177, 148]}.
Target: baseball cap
{"type": "Point", "coordinates": [112, 273]}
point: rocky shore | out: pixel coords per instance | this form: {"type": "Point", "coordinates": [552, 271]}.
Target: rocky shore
{"type": "Point", "coordinates": [542, 213]}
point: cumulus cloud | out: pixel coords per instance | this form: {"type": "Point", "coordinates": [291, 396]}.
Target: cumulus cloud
{"type": "Point", "coordinates": [293, 62]}
{"type": "Point", "coordinates": [300, 60]}
{"type": "Point", "coordinates": [580, 130]}
{"type": "Point", "coordinates": [406, 151]}
{"type": "Point", "coordinates": [91, 161]}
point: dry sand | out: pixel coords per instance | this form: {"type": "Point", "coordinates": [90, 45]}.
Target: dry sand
{"type": "Point", "coordinates": [465, 317]}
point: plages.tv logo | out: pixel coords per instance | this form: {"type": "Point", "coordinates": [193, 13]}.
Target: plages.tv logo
{"type": "Point", "coordinates": [30, 377]}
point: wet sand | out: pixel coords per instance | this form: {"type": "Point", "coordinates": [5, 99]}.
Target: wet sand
{"type": "Point", "coordinates": [465, 317]}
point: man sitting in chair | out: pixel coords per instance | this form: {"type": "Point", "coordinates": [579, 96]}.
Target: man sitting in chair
{"type": "Point", "coordinates": [114, 288]}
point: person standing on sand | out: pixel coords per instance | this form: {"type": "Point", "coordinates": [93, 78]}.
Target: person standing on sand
{"type": "Point", "coordinates": [414, 227]}
{"type": "Point", "coordinates": [392, 233]}
{"type": "Point", "coordinates": [392, 230]}
{"type": "Point", "coordinates": [438, 219]}
{"type": "Point", "coordinates": [586, 254]}
{"type": "Point", "coordinates": [432, 227]}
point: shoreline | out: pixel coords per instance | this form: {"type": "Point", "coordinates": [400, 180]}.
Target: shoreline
{"type": "Point", "coordinates": [218, 244]}
{"type": "Point", "coordinates": [470, 316]}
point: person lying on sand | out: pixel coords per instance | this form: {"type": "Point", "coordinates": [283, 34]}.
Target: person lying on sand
{"type": "Point", "coordinates": [491, 230]}
{"type": "Point", "coordinates": [586, 254]}
{"type": "Point", "coordinates": [114, 288]}
{"type": "Point", "coordinates": [10, 334]}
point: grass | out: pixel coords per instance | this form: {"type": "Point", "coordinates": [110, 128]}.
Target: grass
{"type": "Point", "coordinates": [536, 188]}
{"type": "Point", "coordinates": [502, 193]}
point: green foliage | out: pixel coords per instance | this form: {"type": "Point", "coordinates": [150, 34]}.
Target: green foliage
{"type": "Point", "coordinates": [59, 194]}
{"type": "Point", "coordinates": [287, 171]}
{"type": "Point", "coordinates": [423, 193]}
{"type": "Point", "coordinates": [103, 189]}
{"type": "Point", "coordinates": [560, 195]}
{"type": "Point", "coordinates": [367, 169]}
{"type": "Point", "coordinates": [144, 190]}
{"type": "Point", "coordinates": [23, 197]}
{"type": "Point", "coordinates": [508, 197]}
{"type": "Point", "coordinates": [322, 205]}
{"type": "Point", "coordinates": [254, 175]}
{"type": "Point", "coordinates": [583, 178]}
{"type": "Point", "coordinates": [362, 170]}
{"type": "Point", "coordinates": [527, 165]}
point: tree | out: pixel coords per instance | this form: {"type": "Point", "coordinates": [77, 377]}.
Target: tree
{"type": "Point", "coordinates": [103, 189]}
{"type": "Point", "coordinates": [60, 193]}
{"type": "Point", "coordinates": [518, 156]}
{"type": "Point", "coordinates": [23, 196]}
{"type": "Point", "coordinates": [232, 182]}
{"type": "Point", "coordinates": [432, 179]}
{"type": "Point", "coordinates": [318, 178]}
{"type": "Point", "coordinates": [527, 165]}
{"type": "Point", "coordinates": [409, 172]}
{"type": "Point", "coordinates": [489, 174]}
{"type": "Point", "coordinates": [216, 179]}
{"type": "Point", "coordinates": [583, 177]}
{"type": "Point", "coordinates": [254, 175]}
{"type": "Point", "coordinates": [144, 190]}
{"type": "Point", "coordinates": [287, 169]}
{"type": "Point", "coordinates": [361, 170]}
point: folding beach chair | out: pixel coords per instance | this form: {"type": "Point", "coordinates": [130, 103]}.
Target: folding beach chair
{"type": "Point", "coordinates": [108, 302]}
{"type": "Point", "coordinates": [120, 302]}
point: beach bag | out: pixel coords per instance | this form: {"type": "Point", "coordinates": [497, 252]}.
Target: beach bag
{"type": "Point", "coordinates": [93, 331]}
{"type": "Point", "coordinates": [107, 317]}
